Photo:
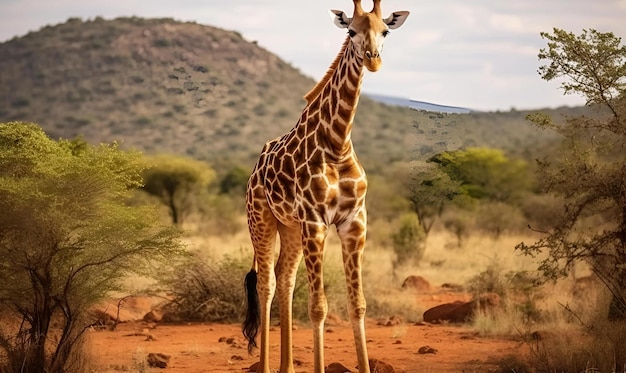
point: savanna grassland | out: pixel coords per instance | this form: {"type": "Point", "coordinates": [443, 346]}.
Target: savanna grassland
{"type": "Point", "coordinates": [187, 108]}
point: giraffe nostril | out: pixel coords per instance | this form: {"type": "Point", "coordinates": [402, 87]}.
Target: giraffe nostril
{"type": "Point", "coordinates": [368, 54]}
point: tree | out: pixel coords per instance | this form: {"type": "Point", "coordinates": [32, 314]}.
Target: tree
{"type": "Point", "coordinates": [178, 182]}
{"type": "Point", "coordinates": [590, 175]}
{"type": "Point", "coordinates": [430, 191]}
{"type": "Point", "coordinates": [486, 174]}
{"type": "Point", "coordinates": [463, 178]}
{"type": "Point", "coordinates": [67, 239]}
{"type": "Point", "coordinates": [235, 181]}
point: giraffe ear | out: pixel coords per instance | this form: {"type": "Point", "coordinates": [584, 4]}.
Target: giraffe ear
{"type": "Point", "coordinates": [396, 19]}
{"type": "Point", "coordinates": [340, 18]}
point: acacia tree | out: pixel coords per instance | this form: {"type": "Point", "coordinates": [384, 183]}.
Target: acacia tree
{"type": "Point", "coordinates": [67, 239]}
{"type": "Point", "coordinates": [431, 190]}
{"type": "Point", "coordinates": [590, 174]}
{"type": "Point", "coordinates": [486, 174]}
{"type": "Point", "coordinates": [462, 178]}
{"type": "Point", "coordinates": [178, 182]}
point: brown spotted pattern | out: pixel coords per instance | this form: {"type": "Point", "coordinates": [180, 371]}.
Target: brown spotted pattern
{"type": "Point", "coordinates": [304, 182]}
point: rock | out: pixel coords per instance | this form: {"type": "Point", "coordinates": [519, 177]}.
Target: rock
{"type": "Point", "coordinates": [426, 350]}
{"type": "Point", "coordinates": [460, 312]}
{"type": "Point", "coordinates": [457, 288]}
{"type": "Point", "coordinates": [153, 316]}
{"type": "Point", "coordinates": [336, 368]}
{"type": "Point", "coordinates": [131, 308]}
{"type": "Point", "coordinates": [443, 313]}
{"type": "Point", "coordinates": [416, 283]}
{"type": "Point", "coordinates": [158, 360]}
{"type": "Point", "coordinates": [377, 366]}
{"type": "Point", "coordinates": [390, 321]}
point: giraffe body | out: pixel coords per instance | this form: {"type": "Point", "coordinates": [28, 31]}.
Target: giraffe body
{"type": "Point", "coordinates": [306, 181]}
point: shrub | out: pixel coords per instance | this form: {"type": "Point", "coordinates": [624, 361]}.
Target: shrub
{"type": "Point", "coordinates": [210, 290]}
{"type": "Point", "coordinates": [575, 351]}
{"type": "Point", "coordinates": [408, 241]}
{"type": "Point", "coordinates": [161, 43]}
{"type": "Point", "coordinates": [517, 289]}
{"type": "Point", "coordinates": [206, 291]}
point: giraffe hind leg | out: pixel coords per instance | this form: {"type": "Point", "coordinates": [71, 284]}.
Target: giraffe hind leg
{"type": "Point", "coordinates": [352, 236]}
{"type": "Point", "coordinates": [263, 229]}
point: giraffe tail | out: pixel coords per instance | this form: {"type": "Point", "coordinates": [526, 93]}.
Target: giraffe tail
{"type": "Point", "coordinates": [250, 325]}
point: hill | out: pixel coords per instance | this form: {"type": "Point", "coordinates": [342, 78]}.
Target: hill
{"type": "Point", "coordinates": [165, 86]}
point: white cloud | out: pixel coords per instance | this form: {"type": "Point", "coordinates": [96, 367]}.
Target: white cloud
{"type": "Point", "coordinates": [507, 22]}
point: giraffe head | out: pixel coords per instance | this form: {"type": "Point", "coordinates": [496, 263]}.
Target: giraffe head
{"type": "Point", "coordinates": [367, 30]}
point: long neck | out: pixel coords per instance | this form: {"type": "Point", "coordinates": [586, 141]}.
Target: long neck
{"type": "Point", "coordinates": [334, 100]}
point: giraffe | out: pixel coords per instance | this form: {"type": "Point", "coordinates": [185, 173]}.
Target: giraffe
{"type": "Point", "coordinates": [306, 181]}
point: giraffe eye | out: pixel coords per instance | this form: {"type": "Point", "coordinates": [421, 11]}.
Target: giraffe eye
{"type": "Point", "coordinates": [351, 33]}
{"type": "Point", "coordinates": [386, 33]}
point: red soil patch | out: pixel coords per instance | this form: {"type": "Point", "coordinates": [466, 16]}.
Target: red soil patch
{"type": "Point", "coordinates": [221, 348]}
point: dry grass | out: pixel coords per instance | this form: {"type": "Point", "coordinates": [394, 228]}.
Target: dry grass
{"type": "Point", "coordinates": [441, 264]}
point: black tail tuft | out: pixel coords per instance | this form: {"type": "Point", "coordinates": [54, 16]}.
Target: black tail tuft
{"type": "Point", "coordinates": [250, 326]}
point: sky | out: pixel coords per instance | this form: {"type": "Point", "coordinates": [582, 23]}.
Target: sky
{"type": "Point", "coordinates": [479, 54]}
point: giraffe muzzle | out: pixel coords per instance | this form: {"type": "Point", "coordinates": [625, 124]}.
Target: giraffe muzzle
{"type": "Point", "coordinates": [372, 61]}
{"type": "Point", "coordinates": [369, 55]}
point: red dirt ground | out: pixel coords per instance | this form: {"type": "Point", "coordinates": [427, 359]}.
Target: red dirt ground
{"type": "Point", "coordinates": [221, 348]}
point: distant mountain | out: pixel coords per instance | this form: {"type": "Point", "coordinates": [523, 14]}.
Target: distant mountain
{"type": "Point", "coordinates": [418, 105]}
{"type": "Point", "coordinates": [165, 86]}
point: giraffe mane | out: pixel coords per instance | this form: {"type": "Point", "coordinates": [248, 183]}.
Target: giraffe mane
{"type": "Point", "coordinates": [313, 93]}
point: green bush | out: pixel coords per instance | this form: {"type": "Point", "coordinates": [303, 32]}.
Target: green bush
{"type": "Point", "coordinates": [408, 240]}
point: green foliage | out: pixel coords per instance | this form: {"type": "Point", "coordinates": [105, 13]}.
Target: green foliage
{"type": "Point", "coordinates": [590, 172]}
{"type": "Point", "coordinates": [67, 239]}
{"type": "Point", "coordinates": [235, 181]}
{"type": "Point", "coordinates": [593, 63]}
{"type": "Point", "coordinates": [408, 241]}
{"type": "Point", "coordinates": [180, 183]}
{"type": "Point", "coordinates": [482, 180]}
{"type": "Point", "coordinates": [486, 174]}
{"type": "Point", "coordinates": [431, 190]}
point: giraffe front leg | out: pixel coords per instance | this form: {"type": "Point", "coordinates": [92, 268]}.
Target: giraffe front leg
{"type": "Point", "coordinates": [352, 236]}
{"type": "Point", "coordinates": [313, 240]}
{"type": "Point", "coordinates": [286, 271]}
